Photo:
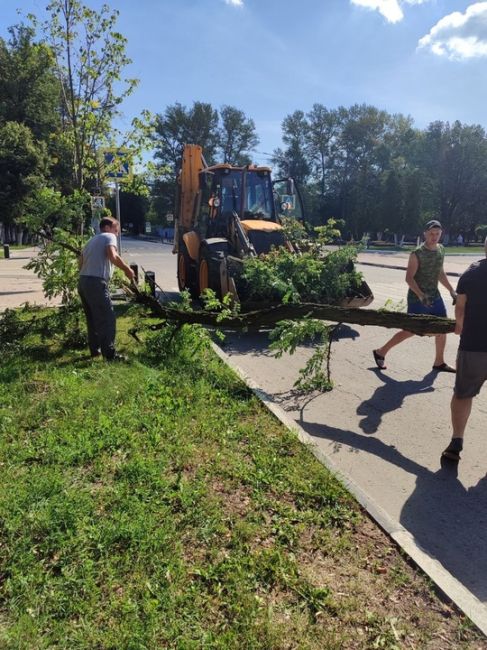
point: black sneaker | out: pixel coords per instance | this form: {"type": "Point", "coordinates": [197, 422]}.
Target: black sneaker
{"type": "Point", "coordinates": [117, 357]}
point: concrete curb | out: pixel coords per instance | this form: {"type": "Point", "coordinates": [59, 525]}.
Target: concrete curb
{"type": "Point", "coordinates": [448, 584]}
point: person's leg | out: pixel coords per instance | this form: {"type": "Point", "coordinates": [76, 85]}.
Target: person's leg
{"type": "Point", "coordinates": [399, 337]}
{"type": "Point", "coordinates": [438, 309]}
{"type": "Point", "coordinates": [107, 325]}
{"type": "Point", "coordinates": [103, 316]}
{"type": "Point", "coordinates": [461, 408]}
{"type": "Point", "coordinates": [93, 338]}
{"type": "Point", "coordinates": [440, 344]}
{"type": "Point", "coordinates": [468, 382]}
{"type": "Point", "coordinates": [460, 412]}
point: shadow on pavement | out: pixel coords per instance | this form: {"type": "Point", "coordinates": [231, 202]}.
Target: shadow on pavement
{"type": "Point", "coordinates": [389, 397]}
{"type": "Point", "coordinates": [447, 520]}
{"type": "Point", "coordinates": [345, 332]}
{"type": "Point", "coordinates": [255, 343]}
{"type": "Point", "coordinates": [258, 343]}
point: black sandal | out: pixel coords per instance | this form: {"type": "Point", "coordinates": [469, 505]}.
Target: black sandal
{"type": "Point", "coordinates": [444, 367]}
{"type": "Point", "coordinates": [451, 454]}
{"type": "Point", "coordinates": [379, 360]}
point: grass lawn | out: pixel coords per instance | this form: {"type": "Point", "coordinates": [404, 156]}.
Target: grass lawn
{"type": "Point", "coordinates": [157, 504]}
{"type": "Point", "coordinates": [449, 250]}
{"type": "Point", "coordinates": [465, 250]}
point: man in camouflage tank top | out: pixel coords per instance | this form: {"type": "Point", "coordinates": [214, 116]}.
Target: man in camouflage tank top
{"type": "Point", "coordinates": [425, 270]}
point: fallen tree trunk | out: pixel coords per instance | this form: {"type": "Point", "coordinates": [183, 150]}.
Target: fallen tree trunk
{"type": "Point", "coordinates": [267, 318]}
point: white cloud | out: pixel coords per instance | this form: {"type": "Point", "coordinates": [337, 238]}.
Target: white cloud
{"type": "Point", "coordinates": [390, 9]}
{"type": "Point", "coordinates": [459, 36]}
{"type": "Point", "coordinates": [234, 3]}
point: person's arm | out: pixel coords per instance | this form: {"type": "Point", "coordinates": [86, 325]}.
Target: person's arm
{"type": "Point", "coordinates": [446, 283]}
{"type": "Point", "coordinates": [460, 312]}
{"type": "Point", "coordinates": [411, 271]}
{"type": "Point", "coordinates": [115, 259]}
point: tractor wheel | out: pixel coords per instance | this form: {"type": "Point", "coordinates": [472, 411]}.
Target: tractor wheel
{"type": "Point", "coordinates": [209, 273]}
{"type": "Point", "coordinates": [186, 272]}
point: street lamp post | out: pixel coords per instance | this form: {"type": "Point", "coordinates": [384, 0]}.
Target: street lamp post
{"type": "Point", "coordinates": [117, 211]}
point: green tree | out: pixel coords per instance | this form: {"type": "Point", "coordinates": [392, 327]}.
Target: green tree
{"type": "Point", "coordinates": [324, 128]}
{"type": "Point", "coordinates": [237, 136]}
{"type": "Point", "coordinates": [23, 164]}
{"type": "Point", "coordinates": [29, 92]}
{"type": "Point", "coordinates": [358, 166]}
{"type": "Point", "coordinates": [391, 213]}
{"type": "Point", "coordinates": [454, 160]}
{"type": "Point", "coordinates": [294, 159]}
{"type": "Point", "coordinates": [90, 56]}
{"type": "Point", "coordinates": [180, 125]}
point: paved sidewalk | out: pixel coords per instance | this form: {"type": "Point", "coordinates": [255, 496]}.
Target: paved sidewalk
{"type": "Point", "coordinates": [17, 284]}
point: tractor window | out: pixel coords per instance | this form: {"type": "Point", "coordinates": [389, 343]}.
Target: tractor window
{"type": "Point", "coordinates": [205, 189]}
{"type": "Point", "coordinates": [203, 216]}
{"type": "Point", "coordinates": [259, 195]}
{"type": "Point", "coordinates": [231, 191]}
{"type": "Point", "coordinates": [287, 204]}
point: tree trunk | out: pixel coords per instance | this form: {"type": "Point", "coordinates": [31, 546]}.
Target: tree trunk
{"type": "Point", "coordinates": [267, 318]}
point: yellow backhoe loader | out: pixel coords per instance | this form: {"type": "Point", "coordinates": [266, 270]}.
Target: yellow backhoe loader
{"type": "Point", "coordinates": [225, 213]}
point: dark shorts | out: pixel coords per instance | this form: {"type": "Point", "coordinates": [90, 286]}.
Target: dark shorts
{"type": "Point", "coordinates": [471, 373]}
{"type": "Point", "coordinates": [437, 308]}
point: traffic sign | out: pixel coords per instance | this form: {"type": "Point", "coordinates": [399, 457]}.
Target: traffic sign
{"type": "Point", "coordinates": [97, 202]}
{"type": "Point", "coordinates": [117, 162]}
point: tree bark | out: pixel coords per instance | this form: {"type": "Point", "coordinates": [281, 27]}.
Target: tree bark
{"type": "Point", "coordinates": [267, 318]}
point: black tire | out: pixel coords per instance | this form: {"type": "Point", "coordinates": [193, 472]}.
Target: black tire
{"type": "Point", "coordinates": [209, 272]}
{"type": "Point", "coordinates": [186, 272]}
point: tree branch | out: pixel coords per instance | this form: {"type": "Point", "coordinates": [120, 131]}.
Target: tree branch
{"type": "Point", "coordinates": [267, 318]}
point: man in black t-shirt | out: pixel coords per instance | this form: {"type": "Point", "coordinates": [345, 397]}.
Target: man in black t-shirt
{"type": "Point", "coordinates": [471, 324]}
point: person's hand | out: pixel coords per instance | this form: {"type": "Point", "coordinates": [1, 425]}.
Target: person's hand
{"type": "Point", "coordinates": [130, 273]}
{"type": "Point", "coordinates": [453, 295]}
{"type": "Point", "coordinates": [425, 301]}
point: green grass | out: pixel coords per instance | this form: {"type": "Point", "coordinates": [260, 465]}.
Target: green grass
{"type": "Point", "coordinates": [465, 250]}
{"type": "Point", "coordinates": [157, 504]}
{"type": "Point", "coordinates": [449, 250]}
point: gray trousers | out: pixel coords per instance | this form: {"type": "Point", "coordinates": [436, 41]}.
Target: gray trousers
{"type": "Point", "coordinates": [100, 317]}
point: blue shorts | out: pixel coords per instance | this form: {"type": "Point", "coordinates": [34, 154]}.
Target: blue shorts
{"type": "Point", "coordinates": [437, 308]}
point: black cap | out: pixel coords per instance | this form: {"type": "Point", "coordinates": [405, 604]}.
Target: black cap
{"type": "Point", "coordinates": [433, 224]}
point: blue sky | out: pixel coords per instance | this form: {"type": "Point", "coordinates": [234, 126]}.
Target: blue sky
{"type": "Point", "coordinates": [424, 58]}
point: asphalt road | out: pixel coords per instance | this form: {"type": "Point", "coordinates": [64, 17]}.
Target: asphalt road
{"type": "Point", "coordinates": [383, 430]}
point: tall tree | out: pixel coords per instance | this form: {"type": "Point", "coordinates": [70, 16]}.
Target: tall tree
{"type": "Point", "coordinates": [324, 127]}
{"type": "Point", "coordinates": [358, 165]}
{"type": "Point", "coordinates": [90, 56]}
{"type": "Point", "coordinates": [455, 163]}
{"type": "Point", "coordinates": [177, 126]}
{"type": "Point", "coordinates": [29, 92]}
{"type": "Point", "coordinates": [294, 159]}
{"type": "Point", "coordinates": [237, 136]}
{"type": "Point", "coordinates": [29, 120]}
{"type": "Point", "coordinates": [180, 125]}
{"type": "Point", "coordinates": [22, 169]}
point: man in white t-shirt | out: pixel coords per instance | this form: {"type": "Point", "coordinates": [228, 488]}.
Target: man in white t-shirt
{"type": "Point", "coordinates": [96, 264]}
